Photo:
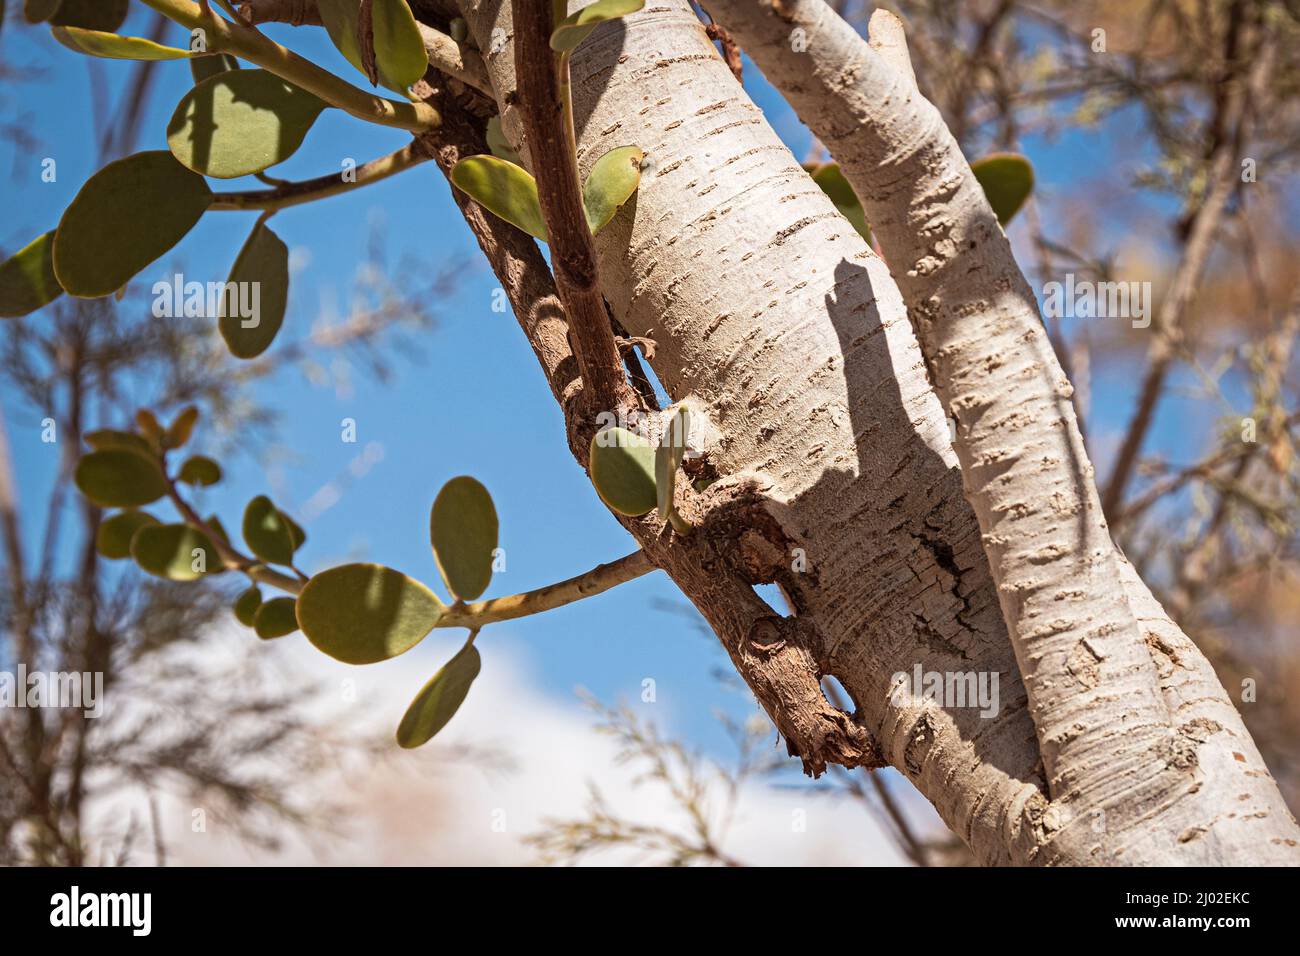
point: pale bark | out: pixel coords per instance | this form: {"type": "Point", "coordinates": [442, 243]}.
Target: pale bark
{"type": "Point", "coordinates": [1134, 729]}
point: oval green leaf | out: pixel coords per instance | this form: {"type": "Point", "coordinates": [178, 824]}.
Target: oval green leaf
{"type": "Point", "coordinates": [622, 468]}
{"type": "Point", "coordinates": [38, 11]}
{"type": "Point", "coordinates": [399, 48]}
{"type": "Point", "coordinates": [27, 279]}
{"type": "Point", "coordinates": [246, 605]}
{"type": "Point", "coordinates": [276, 618]}
{"type": "Point", "coordinates": [113, 47]}
{"type": "Point", "coordinates": [439, 700]}
{"type": "Point", "coordinates": [1007, 180]}
{"type": "Point", "coordinates": [113, 539]}
{"type": "Point", "coordinates": [106, 438]}
{"type": "Point", "coordinates": [267, 532]}
{"type": "Point", "coordinates": [363, 613]}
{"type": "Point", "coordinates": [503, 189]}
{"type": "Point", "coordinates": [832, 182]}
{"type": "Point", "coordinates": [200, 470]}
{"type": "Point", "coordinates": [118, 478]}
{"type": "Point", "coordinates": [181, 428]}
{"type": "Point", "coordinates": [575, 28]}
{"type": "Point", "coordinates": [612, 181]}
{"type": "Point", "coordinates": [241, 122]}
{"type": "Point", "coordinates": [463, 529]}
{"type": "Point", "coordinates": [176, 552]}
{"type": "Point", "coordinates": [126, 216]}
{"type": "Point", "coordinates": [497, 143]}
{"type": "Point", "coordinates": [668, 456]}
{"type": "Point", "coordinates": [263, 263]}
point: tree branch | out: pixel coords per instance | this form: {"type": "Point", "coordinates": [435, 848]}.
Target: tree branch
{"type": "Point", "coordinates": [289, 194]}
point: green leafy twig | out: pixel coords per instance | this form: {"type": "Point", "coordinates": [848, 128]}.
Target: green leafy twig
{"type": "Point", "coordinates": [224, 36]}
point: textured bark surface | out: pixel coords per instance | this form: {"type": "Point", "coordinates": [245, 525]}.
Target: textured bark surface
{"type": "Point", "coordinates": [1146, 759]}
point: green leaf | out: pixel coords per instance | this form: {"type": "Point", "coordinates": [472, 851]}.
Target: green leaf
{"type": "Point", "coordinates": [363, 613]}
{"type": "Point", "coordinates": [241, 122]}
{"type": "Point", "coordinates": [113, 539]}
{"type": "Point", "coordinates": [612, 181]}
{"type": "Point", "coordinates": [276, 618]}
{"type": "Point", "coordinates": [668, 456]}
{"type": "Point", "coordinates": [463, 529]}
{"type": "Point", "coordinates": [439, 699]}
{"type": "Point", "coordinates": [830, 178]}
{"type": "Point", "coordinates": [267, 532]}
{"type": "Point", "coordinates": [1007, 179]}
{"type": "Point", "coordinates": [296, 534]}
{"type": "Point", "coordinates": [212, 64]}
{"type": "Point", "coordinates": [623, 470]}
{"type": "Point", "coordinates": [126, 216]}
{"type": "Point", "coordinates": [91, 14]}
{"type": "Point", "coordinates": [214, 524]}
{"type": "Point", "coordinates": [502, 188]}
{"type": "Point", "coordinates": [246, 605]}
{"type": "Point", "coordinates": [119, 479]}
{"type": "Point", "coordinates": [27, 279]}
{"type": "Point", "coordinates": [106, 438]}
{"type": "Point", "coordinates": [263, 262]}
{"type": "Point", "coordinates": [498, 144]}
{"type": "Point", "coordinates": [575, 28]}
{"type": "Point", "coordinates": [181, 428]}
{"type": "Point", "coordinates": [147, 422]}
{"type": "Point", "coordinates": [176, 552]}
{"type": "Point", "coordinates": [340, 19]}
{"type": "Point", "coordinates": [399, 48]}
{"type": "Point", "coordinates": [113, 47]}
{"type": "Point", "coordinates": [200, 470]}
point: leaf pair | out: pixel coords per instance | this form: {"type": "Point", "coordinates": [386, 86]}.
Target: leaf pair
{"type": "Point", "coordinates": [509, 191]}
{"type": "Point", "coordinates": [270, 619]}
{"type": "Point", "coordinates": [634, 476]}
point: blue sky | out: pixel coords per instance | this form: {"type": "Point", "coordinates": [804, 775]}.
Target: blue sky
{"type": "Point", "coordinates": [475, 404]}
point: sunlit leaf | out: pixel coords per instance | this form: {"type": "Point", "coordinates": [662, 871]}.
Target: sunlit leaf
{"type": "Point", "coordinates": [113, 539]}
{"type": "Point", "coordinates": [176, 552]}
{"type": "Point", "coordinates": [126, 216]}
{"type": "Point", "coordinates": [340, 19]}
{"type": "Point", "coordinates": [363, 613]}
{"type": "Point", "coordinates": [463, 529]}
{"type": "Point", "coordinates": [1007, 179]}
{"type": "Point", "coordinates": [267, 532]}
{"type": "Point", "coordinates": [623, 471]}
{"type": "Point", "coordinates": [576, 27]}
{"type": "Point", "coordinates": [502, 188]}
{"type": "Point", "coordinates": [199, 470]}
{"type": "Point", "coordinates": [117, 478]}
{"type": "Point", "coordinates": [829, 177]}
{"type": "Point", "coordinates": [275, 618]}
{"type": "Point", "coordinates": [241, 122]}
{"type": "Point", "coordinates": [399, 48]}
{"type": "Point", "coordinates": [27, 279]}
{"type": "Point", "coordinates": [262, 269]}
{"type": "Point", "coordinates": [612, 181]}
{"type": "Point", "coordinates": [439, 699]}
{"type": "Point", "coordinates": [113, 47]}
{"type": "Point", "coordinates": [246, 605]}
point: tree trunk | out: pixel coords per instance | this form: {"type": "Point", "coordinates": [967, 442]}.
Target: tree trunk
{"type": "Point", "coordinates": [768, 310]}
